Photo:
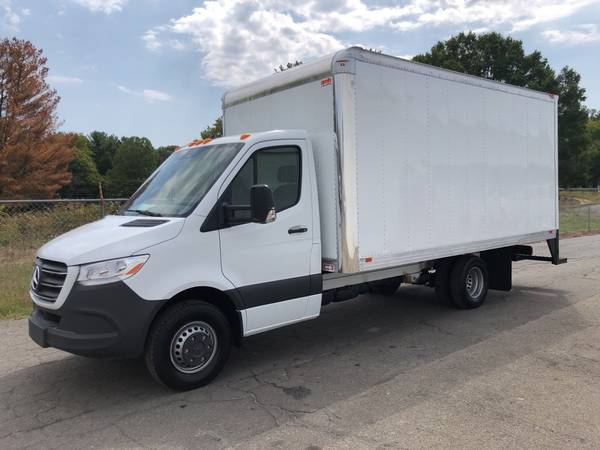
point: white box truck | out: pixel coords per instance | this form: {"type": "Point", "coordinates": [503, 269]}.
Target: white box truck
{"type": "Point", "coordinates": [351, 174]}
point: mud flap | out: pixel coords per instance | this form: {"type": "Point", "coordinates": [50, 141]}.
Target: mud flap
{"type": "Point", "coordinates": [499, 263]}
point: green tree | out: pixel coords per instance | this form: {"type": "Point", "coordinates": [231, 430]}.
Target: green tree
{"type": "Point", "coordinates": [500, 58]}
{"type": "Point", "coordinates": [593, 134]}
{"type": "Point", "coordinates": [214, 131]}
{"type": "Point", "coordinates": [573, 141]}
{"type": "Point", "coordinates": [84, 175]}
{"type": "Point", "coordinates": [162, 153]}
{"type": "Point", "coordinates": [104, 147]}
{"type": "Point", "coordinates": [134, 160]}
{"type": "Point", "coordinates": [492, 56]}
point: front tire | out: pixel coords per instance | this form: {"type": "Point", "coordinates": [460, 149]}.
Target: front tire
{"type": "Point", "coordinates": [188, 345]}
{"type": "Point", "coordinates": [469, 282]}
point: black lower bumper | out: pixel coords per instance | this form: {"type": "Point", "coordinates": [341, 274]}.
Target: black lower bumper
{"type": "Point", "coordinates": [106, 320]}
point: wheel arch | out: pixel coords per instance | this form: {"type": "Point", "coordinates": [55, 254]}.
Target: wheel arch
{"type": "Point", "coordinates": [227, 302]}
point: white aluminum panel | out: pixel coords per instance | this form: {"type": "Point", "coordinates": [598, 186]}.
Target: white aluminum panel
{"type": "Point", "coordinates": [278, 81]}
{"type": "Point", "coordinates": [443, 164]}
{"type": "Point", "coordinates": [308, 107]}
{"type": "Point", "coordinates": [354, 54]}
{"type": "Point", "coordinates": [473, 162]}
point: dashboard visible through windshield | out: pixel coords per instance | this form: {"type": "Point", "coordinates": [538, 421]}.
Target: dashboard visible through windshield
{"type": "Point", "coordinates": [182, 181]}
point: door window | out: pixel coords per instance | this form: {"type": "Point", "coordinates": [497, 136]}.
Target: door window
{"type": "Point", "coordinates": [279, 168]}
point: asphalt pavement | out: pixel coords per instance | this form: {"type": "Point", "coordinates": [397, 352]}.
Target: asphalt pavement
{"type": "Point", "coordinates": [522, 371]}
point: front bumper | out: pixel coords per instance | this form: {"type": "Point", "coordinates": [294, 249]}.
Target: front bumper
{"type": "Point", "coordinates": [108, 320]}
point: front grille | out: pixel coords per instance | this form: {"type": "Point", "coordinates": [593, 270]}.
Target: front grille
{"type": "Point", "coordinates": [50, 279]}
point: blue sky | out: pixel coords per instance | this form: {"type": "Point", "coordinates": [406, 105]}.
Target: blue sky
{"type": "Point", "coordinates": [158, 68]}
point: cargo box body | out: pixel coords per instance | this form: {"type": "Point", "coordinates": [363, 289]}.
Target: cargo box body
{"type": "Point", "coordinates": [413, 163]}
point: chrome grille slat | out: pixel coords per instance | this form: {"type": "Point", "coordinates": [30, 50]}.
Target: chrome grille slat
{"type": "Point", "coordinates": [54, 278]}
{"type": "Point", "coordinates": [52, 285]}
{"type": "Point", "coordinates": [45, 298]}
{"type": "Point", "coordinates": [54, 272]}
{"type": "Point", "coordinates": [51, 279]}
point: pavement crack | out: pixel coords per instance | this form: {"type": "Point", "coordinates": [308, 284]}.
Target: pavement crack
{"type": "Point", "coordinates": [264, 407]}
{"type": "Point", "coordinates": [438, 328]}
{"type": "Point", "coordinates": [46, 425]}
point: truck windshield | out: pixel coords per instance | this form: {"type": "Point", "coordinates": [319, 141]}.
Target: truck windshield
{"type": "Point", "coordinates": [181, 182]}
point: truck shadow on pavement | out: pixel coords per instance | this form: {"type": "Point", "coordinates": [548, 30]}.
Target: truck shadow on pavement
{"type": "Point", "coordinates": [275, 377]}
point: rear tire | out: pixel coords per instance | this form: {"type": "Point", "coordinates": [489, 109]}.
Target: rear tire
{"type": "Point", "coordinates": [388, 286]}
{"type": "Point", "coordinates": [188, 345]}
{"type": "Point", "coordinates": [469, 282]}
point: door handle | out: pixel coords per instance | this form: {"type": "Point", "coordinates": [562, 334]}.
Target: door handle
{"type": "Point", "coordinates": [297, 229]}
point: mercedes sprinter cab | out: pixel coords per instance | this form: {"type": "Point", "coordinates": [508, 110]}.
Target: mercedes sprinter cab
{"type": "Point", "coordinates": [187, 266]}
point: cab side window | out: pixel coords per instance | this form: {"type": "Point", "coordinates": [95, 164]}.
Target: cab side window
{"type": "Point", "coordinates": [277, 167]}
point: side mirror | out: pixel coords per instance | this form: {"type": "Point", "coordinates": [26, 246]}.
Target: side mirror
{"type": "Point", "coordinates": [262, 205]}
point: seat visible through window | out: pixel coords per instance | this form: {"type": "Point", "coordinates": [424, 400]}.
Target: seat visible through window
{"type": "Point", "coordinates": [286, 194]}
{"type": "Point", "coordinates": [277, 167]}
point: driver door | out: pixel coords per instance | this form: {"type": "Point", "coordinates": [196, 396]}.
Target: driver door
{"type": "Point", "coordinates": [270, 263]}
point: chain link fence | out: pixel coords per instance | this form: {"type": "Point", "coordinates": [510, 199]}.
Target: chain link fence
{"type": "Point", "coordinates": [27, 224]}
{"type": "Point", "coordinates": [580, 219]}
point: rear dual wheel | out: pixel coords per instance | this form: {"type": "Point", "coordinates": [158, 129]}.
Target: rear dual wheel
{"type": "Point", "coordinates": [462, 281]}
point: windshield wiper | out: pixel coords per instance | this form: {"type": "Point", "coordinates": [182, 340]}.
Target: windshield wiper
{"type": "Point", "coordinates": [144, 212]}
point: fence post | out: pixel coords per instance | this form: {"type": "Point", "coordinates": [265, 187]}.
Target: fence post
{"type": "Point", "coordinates": [589, 218]}
{"type": "Point", "coordinates": [101, 196]}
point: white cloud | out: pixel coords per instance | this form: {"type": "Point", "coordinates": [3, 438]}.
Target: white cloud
{"type": "Point", "coordinates": [149, 95]}
{"type": "Point", "coordinates": [152, 96]}
{"type": "Point", "coordinates": [582, 34]}
{"type": "Point", "coordinates": [9, 19]}
{"type": "Point", "coordinates": [151, 38]}
{"type": "Point", "coordinates": [127, 91]}
{"type": "Point", "coordinates": [240, 40]}
{"type": "Point", "coordinates": [104, 6]}
{"type": "Point", "coordinates": [153, 41]}
{"type": "Point", "coordinates": [59, 79]}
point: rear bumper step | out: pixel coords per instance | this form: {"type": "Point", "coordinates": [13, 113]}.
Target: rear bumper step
{"type": "Point", "coordinates": [525, 252]}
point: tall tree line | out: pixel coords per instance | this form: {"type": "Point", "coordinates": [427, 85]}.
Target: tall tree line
{"type": "Point", "coordinates": [37, 161]}
{"type": "Point", "coordinates": [111, 165]}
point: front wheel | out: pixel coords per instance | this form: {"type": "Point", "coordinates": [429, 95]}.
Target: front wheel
{"type": "Point", "coordinates": [188, 345]}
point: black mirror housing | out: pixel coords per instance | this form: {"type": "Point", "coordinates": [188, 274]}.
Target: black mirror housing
{"type": "Point", "coordinates": [262, 205]}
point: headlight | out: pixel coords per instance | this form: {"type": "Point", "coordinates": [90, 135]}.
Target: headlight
{"type": "Point", "coordinates": [111, 271]}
